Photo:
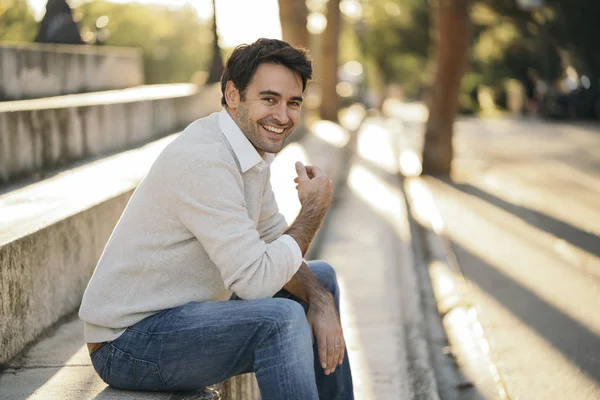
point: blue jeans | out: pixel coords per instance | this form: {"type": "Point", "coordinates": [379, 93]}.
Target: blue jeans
{"type": "Point", "coordinates": [200, 344]}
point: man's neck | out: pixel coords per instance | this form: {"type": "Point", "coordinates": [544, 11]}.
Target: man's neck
{"type": "Point", "coordinates": [233, 114]}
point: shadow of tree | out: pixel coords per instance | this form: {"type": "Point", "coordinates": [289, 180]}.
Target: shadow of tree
{"type": "Point", "coordinates": [575, 341]}
{"type": "Point", "coordinates": [577, 237]}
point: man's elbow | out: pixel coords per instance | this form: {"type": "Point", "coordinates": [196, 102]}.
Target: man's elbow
{"type": "Point", "coordinates": [249, 291]}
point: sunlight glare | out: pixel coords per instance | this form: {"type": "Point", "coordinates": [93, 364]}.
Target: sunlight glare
{"type": "Point", "coordinates": [351, 117]}
{"type": "Point", "coordinates": [410, 163]}
{"type": "Point", "coordinates": [376, 144]}
{"type": "Point", "coordinates": [354, 350]}
{"type": "Point", "coordinates": [384, 199]}
{"type": "Point", "coordinates": [316, 23]}
{"type": "Point", "coordinates": [442, 279]}
{"type": "Point", "coordinates": [426, 211]}
{"type": "Point", "coordinates": [468, 334]}
{"type": "Point", "coordinates": [409, 112]}
{"type": "Point", "coordinates": [331, 133]}
{"type": "Point", "coordinates": [283, 173]}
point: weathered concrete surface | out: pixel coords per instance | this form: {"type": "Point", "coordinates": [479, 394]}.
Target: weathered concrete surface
{"type": "Point", "coordinates": [48, 252]}
{"type": "Point", "coordinates": [37, 136]}
{"type": "Point", "coordinates": [30, 70]}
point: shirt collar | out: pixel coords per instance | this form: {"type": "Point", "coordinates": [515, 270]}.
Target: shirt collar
{"type": "Point", "coordinates": [246, 154]}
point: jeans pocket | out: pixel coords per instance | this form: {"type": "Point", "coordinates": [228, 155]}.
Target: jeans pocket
{"type": "Point", "coordinates": [122, 371]}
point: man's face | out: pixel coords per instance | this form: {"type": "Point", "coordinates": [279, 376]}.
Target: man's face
{"type": "Point", "coordinates": [271, 108]}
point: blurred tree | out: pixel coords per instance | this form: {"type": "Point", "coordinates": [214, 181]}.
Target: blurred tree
{"type": "Point", "coordinates": [293, 15]}
{"type": "Point", "coordinates": [329, 71]}
{"type": "Point", "coordinates": [216, 64]}
{"type": "Point", "coordinates": [16, 21]}
{"type": "Point", "coordinates": [574, 25]}
{"type": "Point", "coordinates": [452, 39]}
{"type": "Point", "coordinates": [396, 41]}
{"type": "Point", "coordinates": [175, 43]}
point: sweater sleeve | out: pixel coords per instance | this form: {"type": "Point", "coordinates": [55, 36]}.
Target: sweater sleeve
{"type": "Point", "coordinates": [209, 201]}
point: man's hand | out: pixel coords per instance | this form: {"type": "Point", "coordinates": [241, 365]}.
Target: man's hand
{"type": "Point", "coordinates": [325, 324]}
{"type": "Point", "coordinates": [314, 186]}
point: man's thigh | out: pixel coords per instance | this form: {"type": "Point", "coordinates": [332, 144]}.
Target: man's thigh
{"type": "Point", "coordinates": [200, 344]}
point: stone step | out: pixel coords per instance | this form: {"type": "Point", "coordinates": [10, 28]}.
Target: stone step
{"type": "Point", "coordinates": [31, 70]}
{"type": "Point", "coordinates": [40, 135]}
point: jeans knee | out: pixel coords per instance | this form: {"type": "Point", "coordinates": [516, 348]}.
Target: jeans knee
{"type": "Point", "coordinates": [288, 316]}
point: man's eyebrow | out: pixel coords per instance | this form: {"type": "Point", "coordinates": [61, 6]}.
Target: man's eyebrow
{"type": "Point", "coordinates": [273, 93]}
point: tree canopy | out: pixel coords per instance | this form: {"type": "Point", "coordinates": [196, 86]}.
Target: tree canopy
{"type": "Point", "coordinates": [506, 41]}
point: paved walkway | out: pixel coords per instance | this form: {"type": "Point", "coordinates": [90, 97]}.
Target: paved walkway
{"type": "Point", "coordinates": [521, 216]}
{"type": "Point", "coordinates": [367, 239]}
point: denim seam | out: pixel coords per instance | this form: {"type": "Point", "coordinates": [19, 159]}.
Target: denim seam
{"type": "Point", "coordinates": [155, 370]}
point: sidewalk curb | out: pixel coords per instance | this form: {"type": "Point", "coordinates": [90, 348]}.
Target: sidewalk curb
{"type": "Point", "coordinates": [458, 324]}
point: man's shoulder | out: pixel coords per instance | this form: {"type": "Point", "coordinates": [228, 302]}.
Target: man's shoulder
{"type": "Point", "coordinates": [202, 142]}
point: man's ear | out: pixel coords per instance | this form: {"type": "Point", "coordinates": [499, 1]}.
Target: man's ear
{"type": "Point", "coordinates": [232, 95]}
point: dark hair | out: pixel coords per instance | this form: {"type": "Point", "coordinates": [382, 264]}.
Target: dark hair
{"type": "Point", "coordinates": [245, 59]}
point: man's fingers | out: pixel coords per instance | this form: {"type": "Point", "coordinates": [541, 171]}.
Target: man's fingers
{"type": "Point", "coordinates": [314, 171]}
{"type": "Point", "coordinates": [341, 349]}
{"type": "Point", "coordinates": [322, 346]}
{"type": "Point", "coordinates": [338, 353]}
{"type": "Point", "coordinates": [331, 350]}
{"type": "Point", "coordinates": [301, 171]}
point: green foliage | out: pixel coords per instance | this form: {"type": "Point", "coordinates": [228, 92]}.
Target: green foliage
{"type": "Point", "coordinates": [16, 21]}
{"type": "Point", "coordinates": [506, 42]}
{"type": "Point", "coordinates": [397, 40]}
{"type": "Point", "coordinates": [175, 43]}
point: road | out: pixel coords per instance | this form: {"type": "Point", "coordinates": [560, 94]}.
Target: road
{"type": "Point", "coordinates": [522, 211]}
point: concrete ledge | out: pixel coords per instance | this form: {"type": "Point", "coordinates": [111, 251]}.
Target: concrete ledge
{"type": "Point", "coordinates": [30, 70]}
{"type": "Point", "coordinates": [37, 136]}
{"type": "Point", "coordinates": [56, 230]}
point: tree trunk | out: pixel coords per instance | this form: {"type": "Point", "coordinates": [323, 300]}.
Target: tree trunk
{"type": "Point", "coordinates": [329, 96]}
{"type": "Point", "coordinates": [293, 15]}
{"type": "Point", "coordinates": [216, 65]}
{"type": "Point", "coordinates": [452, 46]}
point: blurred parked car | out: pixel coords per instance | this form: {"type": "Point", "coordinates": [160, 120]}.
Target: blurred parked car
{"type": "Point", "coordinates": [580, 101]}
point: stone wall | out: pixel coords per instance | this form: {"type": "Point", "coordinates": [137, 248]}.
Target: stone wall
{"type": "Point", "coordinates": [40, 135]}
{"type": "Point", "coordinates": [33, 70]}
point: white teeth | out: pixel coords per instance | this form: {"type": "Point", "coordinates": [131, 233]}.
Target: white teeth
{"type": "Point", "coordinates": [272, 129]}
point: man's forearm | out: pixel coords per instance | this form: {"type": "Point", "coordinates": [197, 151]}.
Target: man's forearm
{"type": "Point", "coordinates": [305, 285]}
{"type": "Point", "coordinates": [306, 225]}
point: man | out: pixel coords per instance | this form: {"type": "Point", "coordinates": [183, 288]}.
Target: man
{"type": "Point", "coordinates": [159, 311]}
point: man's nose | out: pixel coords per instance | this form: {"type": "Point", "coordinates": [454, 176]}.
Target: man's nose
{"type": "Point", "coordinates": [281, 114]}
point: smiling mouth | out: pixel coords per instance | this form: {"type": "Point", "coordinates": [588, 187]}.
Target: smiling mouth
{"type": "Point", "coordinates": [272, 129]}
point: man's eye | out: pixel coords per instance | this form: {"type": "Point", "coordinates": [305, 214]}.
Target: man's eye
{"type": "Point", "coordinates": [295, 104]}
{"type": "Point", "coordinates": [270, 100]}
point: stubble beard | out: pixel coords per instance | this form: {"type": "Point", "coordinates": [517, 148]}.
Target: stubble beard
{"type": "Point", "coordinates": [252, 132]}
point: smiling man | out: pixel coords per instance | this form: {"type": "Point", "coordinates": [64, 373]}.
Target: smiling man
{"type": "Point", "coordinates": [202, 279]}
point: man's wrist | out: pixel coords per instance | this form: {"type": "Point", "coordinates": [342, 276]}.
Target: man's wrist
{"type": "Point", "coordinates": [319, 297]}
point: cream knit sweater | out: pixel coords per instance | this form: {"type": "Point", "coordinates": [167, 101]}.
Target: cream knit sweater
{"type": "Point", "coordinates": [202, 223]}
